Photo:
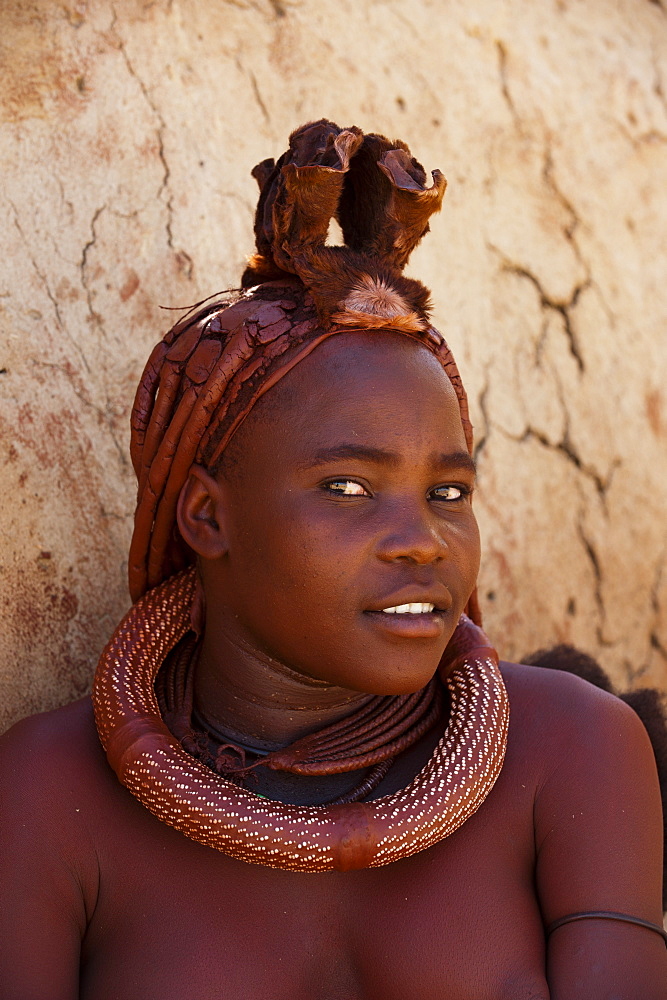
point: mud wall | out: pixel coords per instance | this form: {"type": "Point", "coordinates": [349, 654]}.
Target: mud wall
{"type": "Point", "coordinates": [127, 131]}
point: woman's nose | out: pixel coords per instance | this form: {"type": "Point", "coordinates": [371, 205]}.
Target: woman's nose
{"type": "Point", "coordinates": [414, 536]}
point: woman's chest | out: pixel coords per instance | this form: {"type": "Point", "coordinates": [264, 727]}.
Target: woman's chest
{"type": "Point", "coordinates": [458, 921]}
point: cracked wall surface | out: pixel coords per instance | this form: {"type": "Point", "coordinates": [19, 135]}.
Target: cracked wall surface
{"type": "Point", "coordinates": [127, 131]}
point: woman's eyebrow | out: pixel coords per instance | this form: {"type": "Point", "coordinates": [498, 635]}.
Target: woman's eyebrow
{"type": "Point", "coordinates": [457, 460]}
{"type": "Point", "coordinates": [360, 452]}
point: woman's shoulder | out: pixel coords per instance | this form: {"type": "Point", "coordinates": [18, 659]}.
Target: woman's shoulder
{"type": "Point", "coordinates": [596, 806]}
{"type": "Point", "coordinates": [593, 762]}
{"type": "Point", "coordinates": [62, 740]}
{"type": "Point", "coordinates": [558, 708]}
{"type": "Point", "coordinates": [577, 745]}
{"type": "Point", "coordinates": [49, 764]}
{"type": "Point", "coordinates": [52, 778]}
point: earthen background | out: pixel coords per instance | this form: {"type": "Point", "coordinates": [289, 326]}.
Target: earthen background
{"type": "Point", "coordinates": [127, 132]}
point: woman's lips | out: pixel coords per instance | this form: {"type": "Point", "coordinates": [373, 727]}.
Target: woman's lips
{"type": "Point", "coordinates": [420, 625]}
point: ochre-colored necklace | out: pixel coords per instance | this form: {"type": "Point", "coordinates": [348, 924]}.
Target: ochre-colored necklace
{"type": "Point", "coordinates": [181, 791]}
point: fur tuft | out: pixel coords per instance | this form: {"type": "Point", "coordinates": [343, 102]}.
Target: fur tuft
{"type": "Point", "coordinates": [407, 322]}
{"type": "Point", "coordinates": [376, 297]}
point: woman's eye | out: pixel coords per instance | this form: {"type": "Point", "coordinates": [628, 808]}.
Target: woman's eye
{"type": "Point", "coordinates": [346, 488]}
{"type": "Point", "coordinates": [450, 493]}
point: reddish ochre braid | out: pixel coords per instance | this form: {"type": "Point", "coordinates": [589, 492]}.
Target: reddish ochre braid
{"type": "Point", "coordinates": [199, 384]}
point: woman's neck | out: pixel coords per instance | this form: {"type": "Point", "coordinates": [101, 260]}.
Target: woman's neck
{"type": "Point", "coordinates": [255, 700]}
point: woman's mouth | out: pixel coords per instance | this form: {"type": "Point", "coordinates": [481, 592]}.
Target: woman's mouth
{"type": "Point", "coordinates": [417, 620]}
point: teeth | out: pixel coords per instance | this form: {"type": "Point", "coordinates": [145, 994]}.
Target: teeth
{"type": "Point", "coordinates": [410, 609]}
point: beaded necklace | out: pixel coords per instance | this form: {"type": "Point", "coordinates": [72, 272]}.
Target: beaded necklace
{"type": "Point", "coordinates": [181, 791]}
{"type": "Point", "coordinates": [371, 737]}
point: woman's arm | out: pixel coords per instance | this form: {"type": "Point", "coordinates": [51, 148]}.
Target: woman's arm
{"type": "Point", "coordinates": [598, 824]}
{"type": "Point", "coordinates": [42, 840]}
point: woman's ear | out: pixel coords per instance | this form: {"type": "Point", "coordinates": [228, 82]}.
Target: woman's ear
{"type": "Point", "coordinates": [200, 514]}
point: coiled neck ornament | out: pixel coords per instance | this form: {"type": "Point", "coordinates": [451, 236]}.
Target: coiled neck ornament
{"type": "Point", "coordinates": [151, 762]}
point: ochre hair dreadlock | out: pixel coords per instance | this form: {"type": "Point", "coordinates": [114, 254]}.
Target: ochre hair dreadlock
{"type": "Point", "coordinates": [207, 373]}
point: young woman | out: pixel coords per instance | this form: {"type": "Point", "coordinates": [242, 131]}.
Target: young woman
{"type": "Point", "coordinates": [303, 774]}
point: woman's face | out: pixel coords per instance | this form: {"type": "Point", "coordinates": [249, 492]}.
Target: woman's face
{"type": "Point", "coordinates": [347, 493]}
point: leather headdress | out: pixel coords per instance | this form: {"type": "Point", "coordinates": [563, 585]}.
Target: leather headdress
{"type": "Point", "coordinates": [206, 374]}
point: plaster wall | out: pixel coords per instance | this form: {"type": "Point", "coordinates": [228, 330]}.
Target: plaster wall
{"type": "Point", "coordinates": [127, 132]}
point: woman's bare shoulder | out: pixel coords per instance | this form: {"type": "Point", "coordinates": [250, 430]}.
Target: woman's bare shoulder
{"type": "Point", "coordinates": [598, 828]}
{"type": "Point", "coordinates": [48, 761]}
{"type": "Point", "coordinates": [63, 737]}
{"type": "Point", "coordinates": [52, 780]}
{"type": "Point", "coordinates": [582, 748]}
{"type": "Point", "coordinates": [559, 709]}
{"type": "Point", "coordinates": [53, 783]}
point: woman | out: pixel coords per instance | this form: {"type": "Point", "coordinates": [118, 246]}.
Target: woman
{"type": "Point", "coordinates": [328, 788]}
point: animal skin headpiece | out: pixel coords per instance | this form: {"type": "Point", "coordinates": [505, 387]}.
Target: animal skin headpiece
{"type": "Point", "coordinates": [210, 369]}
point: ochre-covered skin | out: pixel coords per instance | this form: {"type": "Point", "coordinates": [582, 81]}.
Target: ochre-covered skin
{"type": "Point", "coordinates": [95, 877]}
{"type": "Point", "coordinates": [101, 900]}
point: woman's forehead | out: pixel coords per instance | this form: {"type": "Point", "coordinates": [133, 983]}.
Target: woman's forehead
{"type": "Point", "coordinates": [360, 365]}
{"type": "Point", "coordinates": [361, 386]}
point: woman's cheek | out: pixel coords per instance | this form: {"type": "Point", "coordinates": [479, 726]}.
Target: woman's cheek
{"type": "Point", "coordinates": [466, 547]}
